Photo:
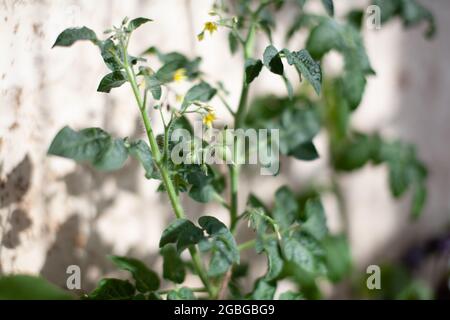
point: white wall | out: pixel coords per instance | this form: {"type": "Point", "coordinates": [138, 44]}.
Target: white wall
{"type": "Point", "coordinates": [54, 213]}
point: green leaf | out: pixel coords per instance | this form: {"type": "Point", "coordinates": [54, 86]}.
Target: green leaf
{"type": "Point", "coordinates": [329, 6]}
{"type": "Point", "coordinates": [153, 84]}
{"type": "Point", "coordinates": [136, 23]}
{"type": "Point", "coordinates": [69, 36]}
{"type": "Point", "coordinates": [109, 51]}
{"type": "Point", "coordinates": [302, 20]}
{"type": "Point", "coordinates": [297, 127]}
{"type": "Point", "coordinates": [252, 69]}
{"type": "Point", "coordinates": [291, 295]}
{"type": "Point", "coordinates": [112, 80]}
{"type": "Point", "coordinates": [414, 13]}
{"type": "Point", "coordinates": [346, 39]}
{"type": "Point", "coordinates": [182, 293]}
{"type": "Point", "coordinates": [112, 289]}
{"type": "Point", "coordinates": [224, 249]}
{"type": "Point", "coordinates": [141, 152]}
{"type": "Point", "coordinates": [173, 265]}
{"type": "Point", "coordinates": [305, 151]}
{"type": "Point", "coordinates": [419, 200]}
{"type": "Point", "coordinates": [172, 62]}
{"type": "Point", "coordinates": [405, 172]}
{"type": "Point", "coordinates": [201, 92]}
{"type": "Point", "coordinates": [297, 252]}
{"type": "Point", "coordinates": [263, 290]}
{"type": "Point", "coordinates": [92, 145]}
{"type": "Point", "coordinates": [272, 60]}
{"type": "Point", "coordinates": [410, 11]}
{"type": "Point", "coordinates": [25, 287]}
{"type": "Point", "coordinates": [233, 42]}
{"type": "Point", "coordinates": [275, 261]}
{"type": "Point", "coordinates": [306, 66]}
{"type": "Point", "coordinates": [338, 257]}
{"type": "Point", "coordinates": [356, 18]}
{"type": "Point", "coordinates": [113, 157]}
{"type": "Point", "coordinates": [146, 279]}
{"type": "Point", "coordinates": [286, 208]}
{"type": "Point", "coordinates": [206, 183]}
{"type": "Point", "coordinates": [183, 233]}
{"type": "Point", "coordinates": [316, 223]}
{"type": "Point", "coordinates": [353, 153]}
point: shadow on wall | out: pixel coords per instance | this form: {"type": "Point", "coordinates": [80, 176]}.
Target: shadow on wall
{"type": "Point", "coordinates": [12, 190]}
{"type": "Point", "coordinates": [71, 246]}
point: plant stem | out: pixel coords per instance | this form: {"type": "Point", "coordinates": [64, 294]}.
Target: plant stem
{"type": "Point", "coordinates": [234, 181]}
{"type": "Point", "coordinates": [247, 245]}
{"type": "Point", "coordinates": [168, 184]}
{"type": "Point", "coordinates": [238, 123]}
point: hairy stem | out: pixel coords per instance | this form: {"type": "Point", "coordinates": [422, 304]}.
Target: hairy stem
{"type": "Point", "coordinates": [168, 184]}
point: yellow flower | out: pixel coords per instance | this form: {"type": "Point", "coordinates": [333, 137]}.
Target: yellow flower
{"type": "Point", "coordinates": [209, 118]}
{"type": "Point", "coordinates": [179, 75]}
{"type": "Point", "coordinates": [210, 26]}
{"type": "Point", "coordinates": [201, 36]}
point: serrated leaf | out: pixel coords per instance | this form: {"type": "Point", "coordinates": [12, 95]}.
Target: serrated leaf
{"type": "Point", "coordinates": [224, 249]}
{"type": "Point", "coordinates": [252, 69]}
{"type": "Point", "coordinates": [137, 22]}
{"type": "Point", "coordinates": [306, 66]}
{"type": "Point", "coordinates": [272, 60]}
{"type": "Point", "coordinates": [69, 36]}
{"type": "Point", "coordinates": [112, 80]}
{"type": "Point", "coordinates": [286, 208]}
{"type": "Point", "coordinates": [183, 233]}
{"type": "Point", "coordinates": [173, 265]}
{"type": "Point", "coordinates": [141, 152]}
{"type": "Point", "coordinates": [146, 279]}
{"type": "Point", "coordinates": [25, 287]}
{"type": "Point", "coordinates": [112, 289]}
{"type": "Point", "coordinates": [92, 145]}
{"type": "Point", "coordinates": [182, 293]}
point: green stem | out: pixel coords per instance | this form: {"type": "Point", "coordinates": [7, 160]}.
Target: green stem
{"type": "Point", "coordinates": [168, 184]}
{"type": "Point", "coordinates": [238, 123]}
{"type": "Point", "coordinates": [234, 181]}
{"type": "Point", "coordinates": [247, 245]}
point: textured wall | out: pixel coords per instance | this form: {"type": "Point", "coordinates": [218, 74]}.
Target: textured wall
{"type": "Point", "coordinates": [54, 213]}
